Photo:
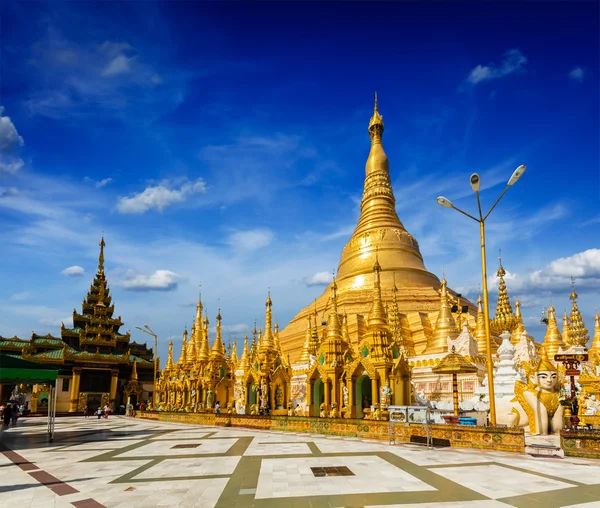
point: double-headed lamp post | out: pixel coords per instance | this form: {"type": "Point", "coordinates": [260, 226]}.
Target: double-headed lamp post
{"type": "Point", "coordinates": [147, 330]}
{"type": "Point", "coordinates": [475, 185]}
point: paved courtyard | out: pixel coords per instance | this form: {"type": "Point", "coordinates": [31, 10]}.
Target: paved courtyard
{"type": "Point", "coordinates": [122, 462]}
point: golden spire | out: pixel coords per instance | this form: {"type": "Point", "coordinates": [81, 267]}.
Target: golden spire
{"type": "Point", "coordinates": [545, 365]}
{"type": "Point", "coordinates": [445, 326]}
{"type": "Point", "coordinates": [504, 312]}
{"type": "Point", "coordinates": [170, 365]}
{"type": "Point", "coordinates": [377, 316]}
{"type": "Point", "coordinates": [566, 333]}
{"type": "Point", "coordinates": [480, 334]}
{"type": "Point", "coordinates": [218, 350]}
{"type": "Point", "coordinates": [183, 356]}
{"type": "Point", "coordinates": [101, 257]}
{"type": "Point", "coordinates": [552, 339]}
{"type": "Point", "coordinates": [276, 338]}
{"type": "Point", "coordinates": [345, 330]}
{"type": "Point", "coordinates": [234, 355]}
{"type": "Point", "coordinates": [334, 327]}
{"type": "Point", "coordinates": [306, 348]}
{"type": "Point", "coordinates": [379, 226]}
{"type": "Point", "coordinates": [192, 350]}
{"type": "Point", "coordinates": [519, 328]}
{"type": "Point", "coordinates": [267, 342]}
{"type": "Point", "coordinates": [579, 333]}
{"type": "Point", "coordinates": [134, 374]}
{"type": "Point", "coordinates": [595, 347]}
{"type": "Point", "coordinates": [197, 329]}
{"type": "Point", "coordinates": [204, 352]}
{"type": "Point", "coordinates": [244, 359]}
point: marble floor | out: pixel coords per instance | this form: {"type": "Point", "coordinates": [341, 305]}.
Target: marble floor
{"type": "Point", "coordinates": [123, 462]}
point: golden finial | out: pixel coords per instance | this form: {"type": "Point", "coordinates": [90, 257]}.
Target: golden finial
{"type": "Point", "coordinates": [553, 339]}
{"type": "Point", "coordinates": [445, 326]}
{"type": "Point", "coordinates": [376, 122]}
{"type": "Point", "coordinates": [573, 295]}
{"type": "Point", "coordinates": [134, 374]}
{"type": "Point", "coordinates": [578, 332]}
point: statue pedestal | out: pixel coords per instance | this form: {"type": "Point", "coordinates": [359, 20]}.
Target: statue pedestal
{"type": "Point", "coordinates": [279, 412]}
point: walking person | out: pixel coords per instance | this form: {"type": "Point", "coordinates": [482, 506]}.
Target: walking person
{"type": "Point", "coordinates": [99, 413]}
{"type": "Point", "coordinates": [106, 411]}
{"type": "Point", "coordinates": [7, 415]}
{"type": "Point", "coordinates": [15, 414]}
{"type": "Point", "coordinates": [218, 408]}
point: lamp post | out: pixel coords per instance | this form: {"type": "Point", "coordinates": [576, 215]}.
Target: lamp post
{"type": "Point", "coordinates": [147, 330]}
{"type": "Point", "coordinates": [475, 181]}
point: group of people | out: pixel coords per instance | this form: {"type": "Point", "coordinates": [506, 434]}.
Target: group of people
{"type": "Point", "coordinates": [10, 413]}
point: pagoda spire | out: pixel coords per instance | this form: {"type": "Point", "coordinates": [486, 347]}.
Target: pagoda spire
{"type": "Point", "coordinates": [552, 340]}
{"type": "Point", "coordinates": [377, 316]}
{"type": "Point", "coordinates": [170, 365]}
{"type": "Point", "coordinates": [234, 355]}
{"type": "Point", "coordinates": [134, 374]}
{"type": "Point", "coordinates": [379, 226]}
{"type": "Point", "coordinates": [566, 332]}
{"type": "Point", "coordinates": [306, 348]}
{"type": "Point", "coordinates": [345, 330]}
{"type": "Point", "coordinates": [267, 342]}
{"type": "Point", "coordinates": [480, 334]}
{"type": "Point", "coordinates": [192, 350]}
{"type": "Point", "coordinates": [595, 347]}
{"type": "Point", "coordinates": [519, 327]}
{"type": "Point", "coordinates": [334, 327]}
{"type": "Point", "coordinates": [244, 363]}
{"type": "Point", "coordinates": [183, 356]}
{"type": "Point", "coordinates": [218, 350]}
{"type": "Point", "coordinates": [504, 311]}
{"type": "Point", "coordinates": [101, 257]}
{"type": "Point", "coordinates": [579, 333]}
{"type": "Point", "coordinates": [204, 352]}
{"type": "Point", "coordinates": [445, 326]}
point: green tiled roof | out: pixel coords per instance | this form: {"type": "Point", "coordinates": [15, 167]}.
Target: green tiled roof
{"type": "Point", "coordinates": [55, 354]}
{"type": "Point", "coordinates": [140, 361]}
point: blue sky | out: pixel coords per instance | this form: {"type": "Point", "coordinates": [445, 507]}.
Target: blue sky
{"type": "Point", "coordinates": [226, 142]}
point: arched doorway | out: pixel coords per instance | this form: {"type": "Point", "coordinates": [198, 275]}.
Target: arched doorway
{"type": "Point", "coordinates": [318, 396]}
{"type": "Point", "coordinates": [363, 394]}
{"type": "Point", "coordinates": [251, 394]}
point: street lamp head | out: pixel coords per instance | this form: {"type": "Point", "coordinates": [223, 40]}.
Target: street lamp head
{"type": "Point", "coordinates": [516, 175]}
{"type": "Point", "coordinates": [475, 181]}
{"type": "Point", "coordinates": [442, 201]}
{"type": "Point", "coordinates": [146, 326]}
{"type": "Point", "coordinates": [140, 329]}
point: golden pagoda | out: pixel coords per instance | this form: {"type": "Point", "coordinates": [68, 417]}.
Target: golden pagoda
{"type": "Point", "coordinates": [553, 339]}
{"type": "Point", "coordinates": [578, 332]}
{"type": "Point", "coordinates": [594, 350]}
{"type": "Point", "coordinates": [405, 283]}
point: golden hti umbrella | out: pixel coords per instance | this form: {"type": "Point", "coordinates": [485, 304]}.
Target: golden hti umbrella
{"type": "Point", "coordinates": [454, 364]}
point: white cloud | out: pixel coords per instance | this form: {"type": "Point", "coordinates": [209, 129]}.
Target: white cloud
{"type": "Point", "coordinates": [319, 279]}
{"type": "Point", "coordinates": [119, 65]}
{"type": "Point", "coordinates": [160, 280]}
{"type": "Point", "coordinates": [159, 197]}
{"type": "Point", "coordinates": [514, 61]}
{"type": "Point", "coordinates": [73, 271]}
{"type": "Point", "coordinates": [9, 141]}
{"type": "Point", "coordinates": [577, 74]}
{"type": "Point", "coordinates": [19, 297]}
{"type": "Point", "coordinates": [103, 182]}
{"type": "Point", "coordinates": [240, 328]}
{"type": "Point", "coordinates": [9, 137]}
{"type": "Point", "coordinates": [251, 240]}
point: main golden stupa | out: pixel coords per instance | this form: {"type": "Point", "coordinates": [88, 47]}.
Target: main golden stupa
{"type": "Point", "coordinates": [403, 273]}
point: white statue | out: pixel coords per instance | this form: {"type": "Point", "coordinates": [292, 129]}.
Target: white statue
{"type": "Point", "coordinates": [465, 344]}
{"type": "Point", "coordinates": [264, 396]}
{"type": "Point", "coordinates": [346, 396]}
{"type": "Point", "coordinates": [210, 398]}
{"type": "Point", "coordinates": [591, 406]}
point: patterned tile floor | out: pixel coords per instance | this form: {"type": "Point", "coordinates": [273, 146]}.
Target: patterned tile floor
{"type": "Point", "coordinates": [121, 462]}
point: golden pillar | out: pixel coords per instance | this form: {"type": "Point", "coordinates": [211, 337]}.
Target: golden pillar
{"type": "Point", "coordinates": [74, 399]}
{"type": "Point", "coordinates": [326, 390]}
{"type": "Point", "coordinates": [455, 392]}
{"type": "Point", "coordinates": [114, 379]}
{"type": "Point", "coordinates": [374, 392]}
{"type": "Point", "coordinates": [351, 402]}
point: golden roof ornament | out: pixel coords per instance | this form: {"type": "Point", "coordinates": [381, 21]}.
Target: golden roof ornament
{"type": "Point", "coordinates": [170, 365]}
{"type": "Point", "coordinates": [183, 356]}
{"type": "Point", "coordinates": [345, 330]}
{"type": "Point", "coordinates": [595, 347]}
{"type": "Point", "coordinates": [519, 328]}
{"type": "Point", "coordinates": [553, 339]}
{"type": "Point", "coordinates": [377, 315]}
{"type": "Point", "coordinates": [217, 351]}
{"type": "Point", "coordinates": [579, 333]}
{"type": "Point", "coordinates": [334, 327]}
{"type": "Point", "coordinates": [134, 374]}
{"type": "Point", "coordinates": [267, 343]}
{"type": "Point", "coordinates": [545, 365]}
{"type": "Point", "coordinates": [244, 363]}
{"type": "Point", "coordinates": [566, 332]}
{"type": "Point", "coordinates": [101, 256]}
{"type": "Point", "coordinates": [504, 318]}
{"type": "Point", "coordinates": [234, 355]}
{"type": "Point", "coordinates": [454, 363]}
{"type": "Point", "coordinates": [308, 345]}
{"type": "Point", "coordinates": [204, 353]}
{"type": "Point", "coordinates": [445, 326]}
{"type": "Point", "coordinates": [376, 123]}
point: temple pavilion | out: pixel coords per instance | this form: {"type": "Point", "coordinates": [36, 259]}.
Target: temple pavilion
{"type": "Point", "coordinates": [97, 364]}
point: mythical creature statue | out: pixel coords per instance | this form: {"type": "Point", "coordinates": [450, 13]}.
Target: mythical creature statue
{"type": "Point", "coordinates": [254, 409]}
{"type": "Point", "coordinates": [536, 404]}
{"type": "Point", "coordinates": [264, 395]}
{"type": "Point", "coordinates": [323, 409]}
{"type": "Point", "coordinates": [334, 413]}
